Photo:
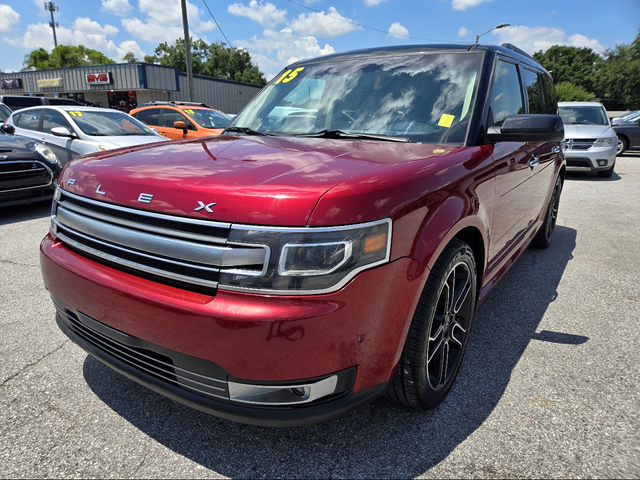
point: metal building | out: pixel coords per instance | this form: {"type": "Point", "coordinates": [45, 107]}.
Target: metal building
{"type": "Point", "coordinates": [124, 86]}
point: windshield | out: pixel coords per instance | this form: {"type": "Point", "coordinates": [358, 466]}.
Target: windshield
{"type": "Point", "coordinates": [208, 118]}
{"type": "Point", "coordinates": [108, 124]}
{"type": "Point", "coordinates": [425, 98]}
{"type": "Point", "coordinates": [583, 115]}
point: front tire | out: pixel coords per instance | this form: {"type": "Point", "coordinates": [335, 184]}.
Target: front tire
{"type": "Point", "coordinates": [439, 331]}
{"type": "Point", "coordinates": [622, 146]}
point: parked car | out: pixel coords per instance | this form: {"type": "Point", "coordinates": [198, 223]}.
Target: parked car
{"type": "Point", "coordinates": [331, 246]}
{"type": "Point", "coordinates": [4, 112]}
{"type": "Point", "coordinates": [16, 102]}
{"type": "Point", "coordinates": [74, 131]}
{"type": "Point", "coordinates": [178, 120]}
{"type": "Point", "coordinates": [626, 118]}
{"type": "Point", "coordinates": [28, 169]}
{"type": "Point", "coordinates": [591, 143]}
{"type": "Point", "coordinates": [628, 135]}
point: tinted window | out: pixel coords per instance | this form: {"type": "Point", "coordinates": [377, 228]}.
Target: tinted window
{"type": "Point", "coordinates": [170, 116]}
{"type": "Point", "coordinates": [534, 91]}
{"type": "Point", "coordinates": [208, 118]}
{"type": "Point", "coordinates": [29, 120]}
{"type": "Point", "coordinates": [52, 119]}
{"type": "Point", "coordinates": [62, 101]}
{"type": "Point", "coordinates": [150, 117]}
{"type": "Point", "coordinates": [551, 100]}
{"type": "Point", "coordinates": [108, 123]}
{"type": "Point", "coordinates": [506, 96]}
{"type": "Point", "coordinates": [4, 112]}
{"type": "Point", "coordinates": [21, 102]}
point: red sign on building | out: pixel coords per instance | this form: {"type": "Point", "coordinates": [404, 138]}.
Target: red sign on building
{"type": "Point", "coordinates": [98, 78]}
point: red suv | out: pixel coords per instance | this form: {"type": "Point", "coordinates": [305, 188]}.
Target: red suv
{"type": "Point", "coordinates": [329, 247]}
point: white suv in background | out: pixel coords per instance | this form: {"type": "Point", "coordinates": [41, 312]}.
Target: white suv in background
{"type": "Point", "coordinates": [590, 142]}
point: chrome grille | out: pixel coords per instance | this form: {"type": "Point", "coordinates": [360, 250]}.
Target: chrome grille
{"type": "Point", "coordinates": [169, 248]}
{"type": "Point", "coordinates": [21, 175]}
{"type": "Point", "coordinates": [164, 364]}
{"type": "Point", "coordinates": [580, 143]}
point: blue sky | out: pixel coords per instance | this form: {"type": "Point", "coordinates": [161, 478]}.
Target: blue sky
{"type": "Point", "coordinates": [277, 32]}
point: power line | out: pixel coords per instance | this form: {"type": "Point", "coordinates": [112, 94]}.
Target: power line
{"type": "Point", "coordinates": [365, 26]}
{"type": "Point", "coordinates": [214, 19]}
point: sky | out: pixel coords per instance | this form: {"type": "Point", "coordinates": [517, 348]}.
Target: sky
{"type": "Point", "coordinates": [278, 32]}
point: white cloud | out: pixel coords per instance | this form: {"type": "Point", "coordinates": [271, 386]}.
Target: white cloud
{"type": "Point", "coordinates": [462, 5]}
{"type": "Point", "coordinates": [121, 8]}
{"type": "Point", "coordinates": [463, 32]}
{"type": "Point", "coordinates": [129, 46]}
{"type": "Point", "coordinates": [288, 48]}
{"type": "Point", "coordinates": [373, 3]}
{"type": "Point", "coordinates": [533, 39]}
{"type": "Point", "coordinates": [266, 15]}
{"type": "Point", "coordinates": [398, 31]}
{"type": "Point", "coordinates": [83, 24]}
{"type": "Point", "coordinates": [322, 24]}
{"type": "Point", "coordinates": [8, 16]}
{"type": "Point", "coordinates": [163, 22]}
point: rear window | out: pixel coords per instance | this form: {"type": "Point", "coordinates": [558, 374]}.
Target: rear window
{"type": "Point", "coordinates": [21, 102]}
{"type": "Point", "coordinates": [29, 120]}
{"type": "Point", "coordinates": [62, 101]}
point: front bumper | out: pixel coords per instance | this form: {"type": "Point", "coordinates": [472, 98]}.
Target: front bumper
{"type": "Point", "coordinates": [592, 159]}
{"type": "Point", "coordinates": [250, 338]}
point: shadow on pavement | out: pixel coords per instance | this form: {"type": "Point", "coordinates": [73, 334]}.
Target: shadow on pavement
{"type": "Point", "coordinates": [20, 213]}
{"type": "Point", "coordinates": [383, 439]}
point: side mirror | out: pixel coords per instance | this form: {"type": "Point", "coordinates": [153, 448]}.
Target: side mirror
{"type": "Point", "coordinates": [9, 129]}
{"type": "Point", "coordinates": [62, 132]}
{"type": "Point", "coordinates": [181, 125]}
{"type": "Point", "coordinates": [528, 128]}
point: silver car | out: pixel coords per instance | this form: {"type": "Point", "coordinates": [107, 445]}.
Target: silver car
{"type": "Point", "coordinates": [590, 142]}
{"type": "Point", "coordinates": [71, 131]}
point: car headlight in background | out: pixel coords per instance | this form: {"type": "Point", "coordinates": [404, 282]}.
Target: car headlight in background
{"type": "Point", "coordinates": [605, 142]}
{"type": "Point", "coordinates": [47, 153]}
{"type": "Point", "coordinates": [308, 260]}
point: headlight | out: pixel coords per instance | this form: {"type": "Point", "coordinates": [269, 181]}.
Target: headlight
{"type": "Point", "coordinates": [308, 260]}
{"type": "Point", "coordinates": [605, 142]}
{"type": "Point", "coordinates": [46, 152]}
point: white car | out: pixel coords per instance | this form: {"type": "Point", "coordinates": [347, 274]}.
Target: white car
{"type": "Point", "coordinates": [71, 131]}
{"type": "Point", "coordinates": [590, 142]}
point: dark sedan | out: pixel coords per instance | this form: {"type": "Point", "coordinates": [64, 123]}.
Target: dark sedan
{"type": "Point", "coordinates": [628, 136]}
{"type": "Point", "coordinates": [28, 169]}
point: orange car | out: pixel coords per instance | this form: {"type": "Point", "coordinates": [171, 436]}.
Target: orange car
{"type": "Point", "coordinates": [177, 120]}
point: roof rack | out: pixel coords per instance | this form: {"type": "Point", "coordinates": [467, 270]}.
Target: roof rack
{"type": "Point", "coordinates": [510, 46]}
{"type": "Point", "coordinates": [156, 102]}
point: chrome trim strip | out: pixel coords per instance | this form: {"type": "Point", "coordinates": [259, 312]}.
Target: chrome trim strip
{"type": "Point", "coordinates": [137, 266]}
{"type": "Point", "coordinates": [33, 186]}
{"type": "Point", "coordinates": [147, 213]}
{"type": "Point", "coordinates": [352, 226]}
{"type": "Point", "coordinates": [246, 393]}
{"type": "Point", "coordinates": [167, 247]}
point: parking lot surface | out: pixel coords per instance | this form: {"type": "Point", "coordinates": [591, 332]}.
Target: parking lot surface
{"type": "Point", "coordinates": [549, 386]}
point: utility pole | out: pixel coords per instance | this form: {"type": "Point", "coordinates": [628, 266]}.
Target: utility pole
{"type": "Point", "coordinates": [187, 47]}
{"type": "Point", "coordinates": [50, 6]}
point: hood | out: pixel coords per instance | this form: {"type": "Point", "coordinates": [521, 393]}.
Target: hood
{"type": "Point", "coordinates": [130, 140]}
{"type": "Point", "coordinates": [15, 147]}
{"type": "Point", "coordinates": [255, 180]}
{"type": "Point", "coordinates": [588, 131]}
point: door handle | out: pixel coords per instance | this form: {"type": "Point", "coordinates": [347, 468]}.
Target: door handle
{"type": "Point", "coordinates": [533, 162]}
{"type": "Point", "coordinates": [556, 149]}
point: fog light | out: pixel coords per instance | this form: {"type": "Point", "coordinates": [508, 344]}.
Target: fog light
{"type": "Point", "coordinates": [281, 394]}
{"type": "Point", "coordinates": [602, 163]}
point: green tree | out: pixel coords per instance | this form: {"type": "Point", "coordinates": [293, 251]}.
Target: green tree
{"type": "Point", "coordinates": [213, 60]}
{"type": "Point", "coordinates": [568, 92]}
{"type": "Point", "coordinates": [619, 77]}
{"type": "Point", "coordinates": [64, 56]}
{"type": "Point", "coordinates": [129, 57]}
{"type": "Point", "coordinates": [577, 65]}
{"type": "Point", "coordinates": [150, 59]}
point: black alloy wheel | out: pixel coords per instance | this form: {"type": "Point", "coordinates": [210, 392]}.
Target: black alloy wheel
{"type": "Point", "coordinates": [439, 331]}
{"type": "Point", "coordinates": [545, 234]}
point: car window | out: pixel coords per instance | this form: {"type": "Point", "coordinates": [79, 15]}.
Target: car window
{"type": "Point", "coordinates": [5, 112]}
{"type": "Point", "coordinates": [150, 116]}
{"type": "Point", "coordinates": [62, 101]}
{"type": "Point", "coordinates": [29, 120]}
{"type": "Point", "coordinates": [21, 102]}
{"type": "Point", "coordinates": [208, 118]}
{"type": "Point", "coordinates": [105, 123]}
{"type": "Point", "coordinates": [534, 91]}
{"type": "Point", "coordinates": [506, 95]}
{"type": "Point", "coordinates": [583, 115]}
{"type": "Point", "coordinates": [550, 98]}
{"type": "Point", "coordinates": [53, 119]}
{"type": "Point", "coordinates": [170, 116]}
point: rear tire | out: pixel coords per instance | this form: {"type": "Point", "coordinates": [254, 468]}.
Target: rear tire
{"type": "Point", "coordinates": [439, 331]}
{"type": "Point", "coordinates": [545, 234]}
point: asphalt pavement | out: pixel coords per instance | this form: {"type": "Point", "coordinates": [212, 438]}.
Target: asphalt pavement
{"type": "Point", "coordinates": [550, 386]}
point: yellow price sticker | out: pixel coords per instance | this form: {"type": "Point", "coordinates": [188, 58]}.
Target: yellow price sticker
{"type": "Point", "coordinates": [189, 111]}
{"type": "Point", "coordinates": [439, 150]}
{"type": "Point", "coordinates": [446, 120]}
{"type": "Point", "coordinates": [289, 75]}
{"type": "Point", "coordinates": [75, 113]}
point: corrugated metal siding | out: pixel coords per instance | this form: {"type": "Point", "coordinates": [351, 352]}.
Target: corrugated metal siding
{"type": "Point", "coordinates": [161, 78]}
{"type": "Point", "coordinates": [226, 96]}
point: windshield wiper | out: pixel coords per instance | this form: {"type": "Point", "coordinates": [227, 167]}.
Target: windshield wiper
{"type": "Point", "coordinates": [334, 133]}
{"type": "Point", "coordinates": [245, 130]}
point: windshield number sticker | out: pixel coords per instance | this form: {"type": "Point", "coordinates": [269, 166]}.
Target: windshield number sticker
{"type": "Point", "coordinates": [189, 111]}
{"type": "Point", "coordinates": [446, 120]}
{"type": "Point", "coordinates": [289, 75]}
{"type": "Point", "coordinates": [75, 113]}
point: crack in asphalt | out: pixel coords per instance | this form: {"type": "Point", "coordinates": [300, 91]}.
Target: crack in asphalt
{"type": "Point", "coordinates": [146, 452]}
{"type": "Point", "coordinates": [33, 364]}
{"type": "Point", "coordinates": [19, 264]}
